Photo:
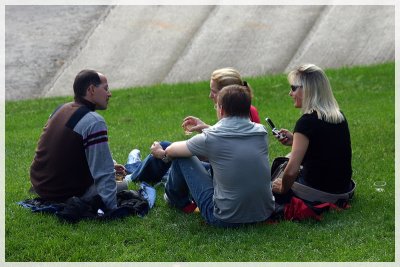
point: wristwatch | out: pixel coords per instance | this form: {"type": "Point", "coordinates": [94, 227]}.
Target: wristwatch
{"type": "Point", "coordinates": [165, 158]}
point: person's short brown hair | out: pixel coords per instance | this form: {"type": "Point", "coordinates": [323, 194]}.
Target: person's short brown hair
{"type": "Point", "coordinates": [83, 80]}
{"type": "Point", "coordinates": [235, 100]}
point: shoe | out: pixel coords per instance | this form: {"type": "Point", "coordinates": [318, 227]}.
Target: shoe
{"type": "Point", "coordinates": [128, 178]}
{"type": "Point", "coordinates": [149, 193]}
{"type": "Point", "coordinates": [134, 156]}
{"type": "Point", "coordinates": [189, 208]}
{"type": "Point", "coordinates": [167, 200]}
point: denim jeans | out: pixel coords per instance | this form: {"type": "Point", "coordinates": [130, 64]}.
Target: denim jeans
{"type": "Point", "coordinates": [149, 170]}
{"type": "Point", "coordinates": [189, 179]}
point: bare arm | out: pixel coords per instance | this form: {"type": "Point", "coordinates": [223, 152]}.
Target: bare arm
{"type": "Point", "coordinates": [299, 148]}
{"type": "Point", "coordinates": [175, 150]}
{"type": "Point", "coordinates": [178, 150]}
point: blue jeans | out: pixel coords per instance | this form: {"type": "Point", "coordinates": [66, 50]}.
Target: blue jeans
{"type": "Point", "coordinates": [149, 170]}
{"type": "Point", "coordinates": [189, 179]}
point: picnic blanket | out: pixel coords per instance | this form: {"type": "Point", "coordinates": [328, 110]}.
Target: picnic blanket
{"type": "Point", "coordinates": [130, 202]}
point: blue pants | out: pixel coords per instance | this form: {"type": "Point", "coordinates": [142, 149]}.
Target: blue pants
{"type": "Point", "coordinates": [149, 170]}
{"type": "Point", "coordinates": [189, 179]}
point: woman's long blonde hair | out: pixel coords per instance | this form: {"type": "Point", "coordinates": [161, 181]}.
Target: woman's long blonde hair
{"type": "Point", "coordinates": [317, 93]}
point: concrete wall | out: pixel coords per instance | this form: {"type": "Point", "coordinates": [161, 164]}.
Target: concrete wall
{"type": "Point", "coordinates": [144, 45]}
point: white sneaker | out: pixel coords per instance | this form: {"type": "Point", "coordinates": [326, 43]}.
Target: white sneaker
{"type": "Point", "coordinates": [167, 199]}
{"type": "Point", "coordinates": [134, 156]}
{"type": "Point", "coordinates": [128, 178]}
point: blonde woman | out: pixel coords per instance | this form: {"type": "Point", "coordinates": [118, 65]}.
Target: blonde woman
{"type": "Point", "coordinates": [219, 79]}
{"type": "Point", "coordinates": [321, 138]}
{"type": "Point", "coordinates": [152, 169]}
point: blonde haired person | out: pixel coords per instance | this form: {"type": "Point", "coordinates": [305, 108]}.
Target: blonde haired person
{"type": "Point", "coordinates": [219, 79]}
{"type": "Point", "coordinates": [321, 139]}
{"type": "Point", "coordinates": [152, 169]}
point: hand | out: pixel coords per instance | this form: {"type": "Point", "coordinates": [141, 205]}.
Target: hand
{"type": "Point", "coordinates": [120, 171]}
{"type": "Point", "coordinates": [288, 140]}
{"type": "Point", "coordinates": [277, 186]}
{"type": "Point", "coordinates": [157, 151]}
{"type": "Point", "coordinates": [119, 168]}
{"type": "Point", "coordinates": [194, 124]}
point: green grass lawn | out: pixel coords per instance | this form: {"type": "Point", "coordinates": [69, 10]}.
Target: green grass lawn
{"type": "Point", "coordinates": [137, 117]}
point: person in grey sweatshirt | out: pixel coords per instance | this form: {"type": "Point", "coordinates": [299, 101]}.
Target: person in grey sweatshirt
{"type": "Point", "coordinates": [239, 190]}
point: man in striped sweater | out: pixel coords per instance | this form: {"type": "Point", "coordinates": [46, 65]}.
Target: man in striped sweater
{"type": "Point", "coordinates": [72, 156]}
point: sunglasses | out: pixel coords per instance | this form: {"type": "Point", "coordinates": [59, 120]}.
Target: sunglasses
{"type": "Point", "coordinates": [295, 87]}
{"type": "Point", "coordinates": [216, 106]}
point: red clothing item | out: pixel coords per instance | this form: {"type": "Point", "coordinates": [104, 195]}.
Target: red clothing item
{"type": "Point", "coordinates": [254, 114]}
{"type": "Point", "coordinates": [298, 210]}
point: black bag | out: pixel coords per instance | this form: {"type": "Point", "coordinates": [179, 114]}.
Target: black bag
{"type": "Point", "coordinates": [278, 166]}
{"type": "Point", "coordinates": [305, 192]}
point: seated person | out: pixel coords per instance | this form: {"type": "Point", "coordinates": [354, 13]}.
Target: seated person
{"type": "Point", "coordinates": [73, 157]}
{"type": "Point", "coordinates": [219, 79]}
{"type": "Point", "coordinates": [239, 192]}
{"type": "Point", "coordinates": [321, 139]}
{"type": "Point", "coordinates": [152, 170]}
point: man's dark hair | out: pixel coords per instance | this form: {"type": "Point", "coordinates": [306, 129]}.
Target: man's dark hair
{"type": "Point", "coordinates": [235, 100]}
{"type": "Point", "coordinates": [83, 80]}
